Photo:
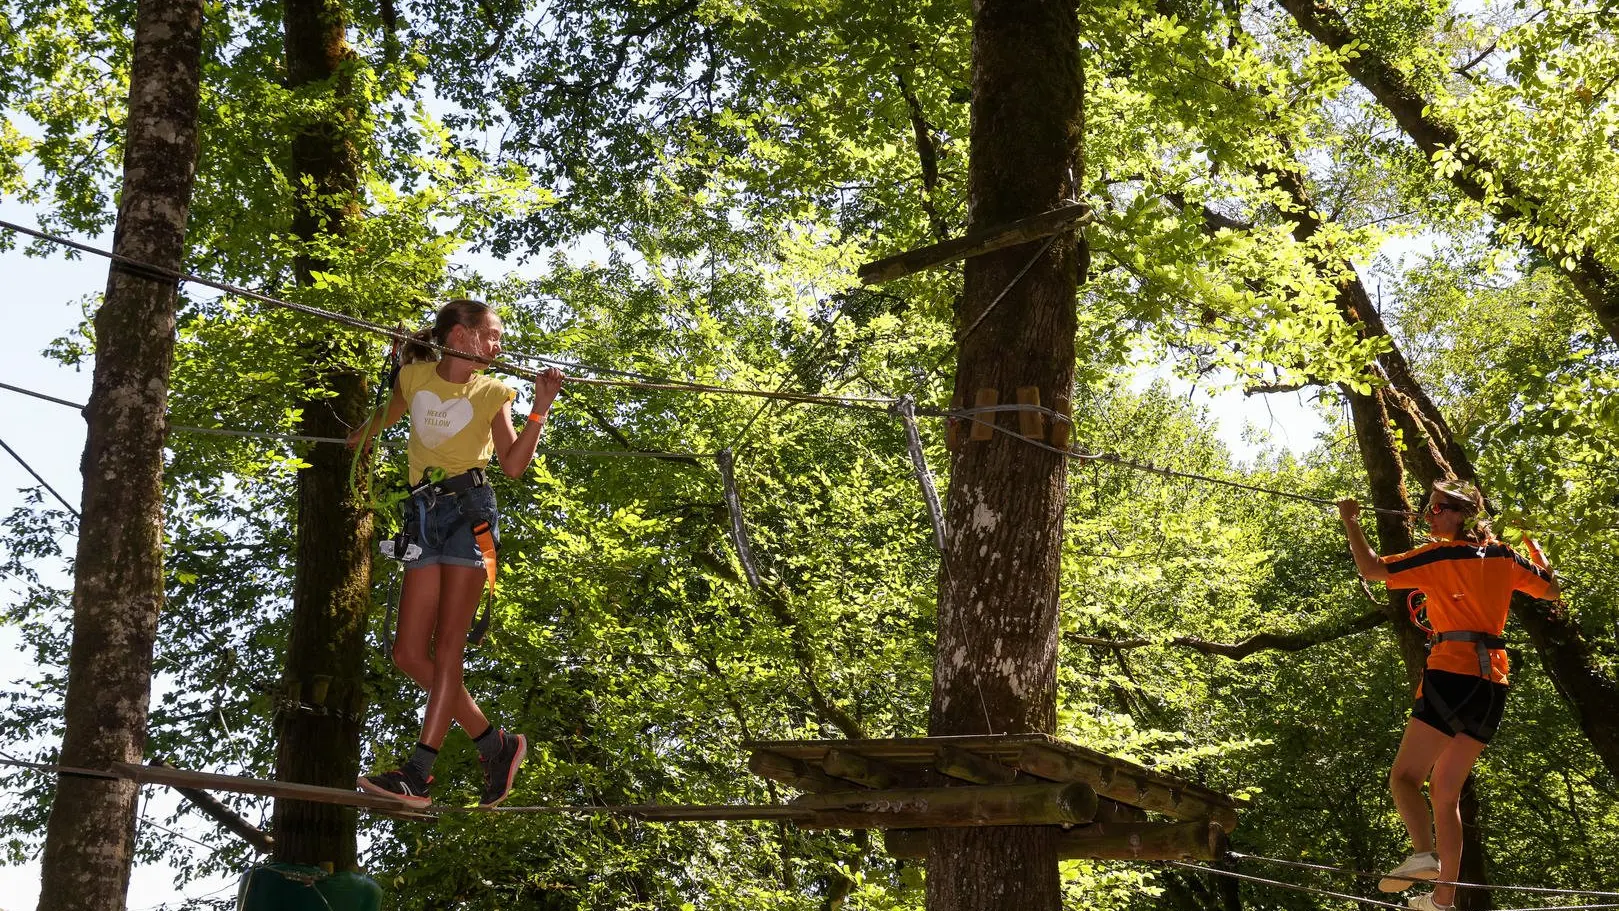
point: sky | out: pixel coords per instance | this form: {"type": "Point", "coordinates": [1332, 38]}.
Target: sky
{"type": "Point", "coordinates": [47, 303]}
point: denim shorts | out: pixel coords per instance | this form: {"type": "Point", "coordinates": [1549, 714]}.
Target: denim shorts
{"type": "Point", "coordinates": [441, 525]}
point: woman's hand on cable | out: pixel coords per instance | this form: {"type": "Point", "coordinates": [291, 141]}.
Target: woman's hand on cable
{"type": "Point", "coordinates": [1348, 509]}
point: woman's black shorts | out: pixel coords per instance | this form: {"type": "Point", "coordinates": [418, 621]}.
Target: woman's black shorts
{"type": "Point", "coordinates": [1461, 704]}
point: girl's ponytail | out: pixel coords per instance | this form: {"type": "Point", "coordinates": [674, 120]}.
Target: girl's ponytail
{"type": "Point", "coordinates": [417, 349]}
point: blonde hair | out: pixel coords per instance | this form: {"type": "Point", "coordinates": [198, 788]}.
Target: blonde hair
{"type": "Point", "coordinates": [1469, 502]}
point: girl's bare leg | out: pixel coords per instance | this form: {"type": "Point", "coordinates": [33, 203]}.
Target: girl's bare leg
{"type": "Point", "coordinates": [460, 589]}
{"type": "Point", "coordinates": [413, 642]}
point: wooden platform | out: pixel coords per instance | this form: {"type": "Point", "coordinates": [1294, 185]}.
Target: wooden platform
{"type": "Point", "coordinates": [848, 767]}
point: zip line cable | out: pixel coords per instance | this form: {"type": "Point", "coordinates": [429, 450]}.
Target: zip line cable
{"type": "Point", "coordinates": [303, 438]}
{"type": "Point", "coordinates": [1366, 874]}
{"type": "Point", "coordinates": [647, 383]}
{"type": "Point", "coordinates": [1294, 887]}
{"type": "Point", "coordinates": [47, 485]}
{"type": "Point", "coordinates": [1113, 458]}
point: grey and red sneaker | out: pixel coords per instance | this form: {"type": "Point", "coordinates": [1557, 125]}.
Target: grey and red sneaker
{"type": "Point", "coordinates": [501, 770]}
{"type": "Point", "coordinates": [402, 785]}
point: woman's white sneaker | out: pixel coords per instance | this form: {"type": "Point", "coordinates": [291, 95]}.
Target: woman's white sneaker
{"type": "Point", "coordinates": [1424, 865]}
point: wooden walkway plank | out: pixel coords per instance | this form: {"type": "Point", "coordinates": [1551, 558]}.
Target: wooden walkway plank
{"type": "Point", "coordinates": [286, 790]}
{"type": "Point", "coordinates": [974, 243]}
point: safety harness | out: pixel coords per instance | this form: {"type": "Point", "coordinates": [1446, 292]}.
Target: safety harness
{"type": "Point", "coordinates": [423, 497]}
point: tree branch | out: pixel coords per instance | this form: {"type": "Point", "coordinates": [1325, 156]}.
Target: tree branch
{"type": "Point", "coordinates": [1259, 642]}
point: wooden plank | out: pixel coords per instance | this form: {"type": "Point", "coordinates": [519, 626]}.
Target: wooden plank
{"type": "Point", "coordinates": [862, 770]}
{"type": "Point", "coordinates": [959, 763]}
{"type": "Point", "coordinates": [1061, 431]}
{"type": "Point", "coordinates": [284, 790]}
{"type": "Point", "coordinates": [790, 771]}
{"type": "Point", "coordinates": [983, 425]}
{"type": "Point", "coordinates": [1182, 802]}
{"type": "Point", "coordinates": [1004, 805]}
{"type": "Point", "coordinates": [655, 812]}
{"type": "Point", "coordinates": [1103, 841]}
{"type": "Point", "coordinates": [974, 243]}
{"type": "Point", "coordinates": [1032, 424]}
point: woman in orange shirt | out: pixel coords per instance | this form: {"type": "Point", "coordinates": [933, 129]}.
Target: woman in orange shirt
{"type": "Point", "coordinates": [1468, 578]}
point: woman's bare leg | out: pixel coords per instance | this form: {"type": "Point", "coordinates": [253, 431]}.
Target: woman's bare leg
{"type": "Point", "coordinates": [1449, 775]}
{"type": "Point", "coordinates": [1420, 748]}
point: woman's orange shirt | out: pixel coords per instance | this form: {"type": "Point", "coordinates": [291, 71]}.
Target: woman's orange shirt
{"type": "Point", "coordinates": [1469, 587]}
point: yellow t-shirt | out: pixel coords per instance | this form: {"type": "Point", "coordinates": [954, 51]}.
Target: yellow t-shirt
{"type": "Point", "coordinates": [449, 422]}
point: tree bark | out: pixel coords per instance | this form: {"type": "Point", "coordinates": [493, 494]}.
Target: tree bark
{"type": "Point", "coordinates": [322, 695]}
{"type": "Point", "coordinates": [118, 571]}
{"type": "Point", "coordinates": [995, 667]}
{"type": "Point", "coordinates": [1596, 281]}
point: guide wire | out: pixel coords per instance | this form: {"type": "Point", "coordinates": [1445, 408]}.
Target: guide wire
{"type": "Point", "coordinates": [1367, 874]}
{"type": "Point", "coordinates": [496, 366]}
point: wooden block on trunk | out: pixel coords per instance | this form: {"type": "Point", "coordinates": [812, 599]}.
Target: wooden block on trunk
{"type": "Point", "coordinates": [984, 424]}
{"type": "Point", "coordinates": [1103, 841]}
{"type": "Point", "coordinates": [1032, 424]}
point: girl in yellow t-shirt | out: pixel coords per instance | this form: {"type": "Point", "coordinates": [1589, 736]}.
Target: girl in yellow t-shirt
{"type": "Point", "coordinates": [459, 418]}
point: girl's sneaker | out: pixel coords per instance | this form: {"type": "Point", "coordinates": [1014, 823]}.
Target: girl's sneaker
{"type": "Point", "coordinates": [402, 785]}
{"type": "Point", "coordinates": [501, 770]}
{"type": "Point", "coordinates": [1423, 865]}
{"type": "Point", "coordinates": [1426, 903]}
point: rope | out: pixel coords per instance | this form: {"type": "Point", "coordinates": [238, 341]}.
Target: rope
{"type": "Point", "coordinates": [1365, 874]}
{"type": "Point", "coordinates": [46, 484]}
{"type": "Point", "coordinates": [354, 322]}
{"type": "Point", "coordinates": [10, 760]}
{"type": "Point", "coordinates": [1292, 887]}
{"type": "Point", "coordinates": [906, 409]}
{"type": "Point", "coordinates": [1146, 466]}
{"type": "Point", "coordinates": [739, 529]}
{"type": "Point", "coordinates": [962, 337]}
{"type": "Point", "coordinates": [302, 438]}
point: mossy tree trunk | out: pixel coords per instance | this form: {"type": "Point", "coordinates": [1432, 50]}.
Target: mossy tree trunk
{"type": "Point", "coordinates": [118, 570]}
{"type": "Point", "coordinates": [322, 695]}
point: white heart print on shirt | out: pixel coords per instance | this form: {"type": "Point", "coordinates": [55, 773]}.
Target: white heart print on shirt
{"type": "Point", "coordinates": [435, 419]}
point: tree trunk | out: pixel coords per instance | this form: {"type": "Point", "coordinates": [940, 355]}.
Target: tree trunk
{"type": "Point", "coordinates": [322, 695]}
{"type": "Point", "coordinates": [995, 668]}
{"type": "Point", "coordinates": [118, 573]}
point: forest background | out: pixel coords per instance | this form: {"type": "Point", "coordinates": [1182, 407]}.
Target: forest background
{"type": "Point", "coordinates": [734, 163]}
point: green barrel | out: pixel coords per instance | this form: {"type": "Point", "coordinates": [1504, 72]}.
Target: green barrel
{"type": "Point", "coordinates": [291, 887]}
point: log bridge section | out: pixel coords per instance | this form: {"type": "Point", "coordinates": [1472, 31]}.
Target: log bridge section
{"type": "Point", "coordinates": [907, 786]}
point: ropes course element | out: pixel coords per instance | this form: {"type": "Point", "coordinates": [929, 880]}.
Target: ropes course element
{"type": "Point", "coordinates": [44, 483]}
{"type": "Point", "coordinates": [354, 322]}
{"type": "Point", "coordinates": [1366, 874]}
{"type": "Point", "coordinates": [1278, 884]}
{"type": "Point", "coordinates": [1295, 887]}
{"type": "Point", "coordinates": [739, 528]}
{"type": "Point", "coordinates": [303, 438]}
{"type": "Point", "coordinates": [906, 409]}
{"type": "Point", "coordinates": [1113, 458]}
